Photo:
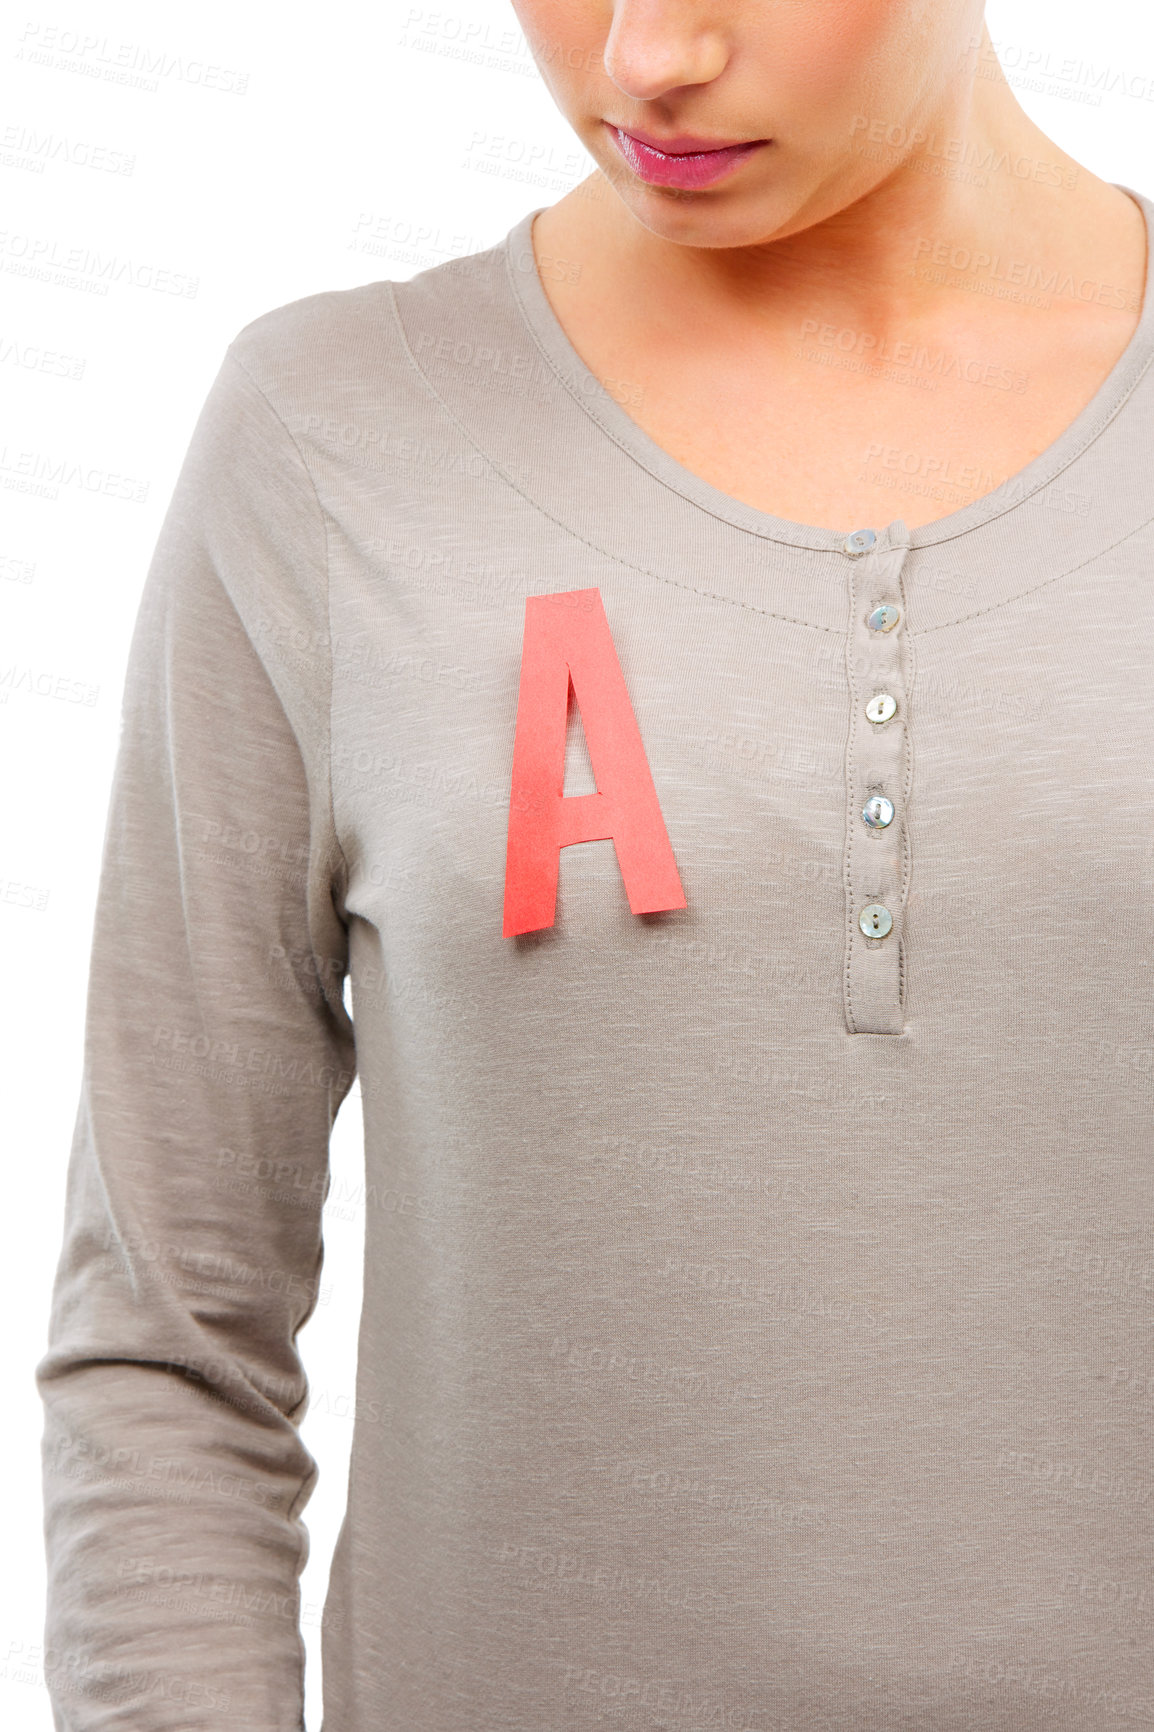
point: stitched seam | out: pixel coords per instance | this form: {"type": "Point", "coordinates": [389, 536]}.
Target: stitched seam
{"type": "Point", "coordinates": [1091, 438]}
{"type": "Point", "coordinates": [767, 535]}
{"type": "Point", "coordinates": [636, 457]}
{"type": "Point", "coordinates": [894, 559]}
{"type": "Point", "coordinates": [695, 589]}
{"type": "Point", "coordinates": [324, 517]}
{"type": "Point", "coordinates": [309, 1476]}
{"type": "Point", "coordinates": [908, 672]}
{"type": "Point", "coordinates": [566, 529]}
{"type": "Point", "coordinates": [1033, 589]}
{"type": "Point", "coordinates": [851, 758]}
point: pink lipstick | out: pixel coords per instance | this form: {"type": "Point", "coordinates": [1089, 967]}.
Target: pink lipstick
{"type": "Point", "coordinates": [685, 162]}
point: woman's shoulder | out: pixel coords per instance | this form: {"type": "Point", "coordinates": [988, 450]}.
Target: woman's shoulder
{"type": "Point", "coordinates": [370, 336]}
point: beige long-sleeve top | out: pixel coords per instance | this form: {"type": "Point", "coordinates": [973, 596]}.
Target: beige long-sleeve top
{"type": "Point", "coordinates": [758, 1319]}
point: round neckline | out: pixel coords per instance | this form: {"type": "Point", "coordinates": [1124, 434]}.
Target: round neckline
{"type": "Point", "coordinates": [536, 310]}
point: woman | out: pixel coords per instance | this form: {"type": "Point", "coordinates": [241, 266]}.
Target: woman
{"type": "Point", "coordinates": [688, 667]}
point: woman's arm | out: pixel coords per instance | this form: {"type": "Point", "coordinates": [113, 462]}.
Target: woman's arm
{"type": "Point", "coordinates": [217, 1051]}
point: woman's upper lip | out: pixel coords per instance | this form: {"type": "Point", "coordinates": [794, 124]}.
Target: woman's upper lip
{"type": "Point", "coordinates": [685, 144]}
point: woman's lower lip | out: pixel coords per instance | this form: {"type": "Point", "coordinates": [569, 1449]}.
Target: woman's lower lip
{"type": "Point", "coordinates": [700, 168]}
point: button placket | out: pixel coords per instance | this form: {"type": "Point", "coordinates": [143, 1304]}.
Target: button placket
{"type": "Point", "coordinates": [878, 776]}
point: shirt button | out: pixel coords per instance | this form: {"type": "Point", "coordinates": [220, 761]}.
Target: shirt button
{"type": "Point", "coordinates": [875, 921]}
{"type": "Point", "coordinates": [878, 812]}
{"type": "Point", "coordinates": [860, 542]}
{"type": "Point", "coordinates": [881, 707]}
{"type": "Point", "coordinates": [883, 618]}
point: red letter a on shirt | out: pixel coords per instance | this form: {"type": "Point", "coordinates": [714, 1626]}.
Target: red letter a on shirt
{"type": "Point", "coordinates": [567, 640]}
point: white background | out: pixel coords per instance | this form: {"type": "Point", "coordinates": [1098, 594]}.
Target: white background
{"type": "Point", "coordinates": [332, 145]}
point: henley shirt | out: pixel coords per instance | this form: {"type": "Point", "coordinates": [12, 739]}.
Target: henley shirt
{"type": "Point", "coordinates": [758, 1323]}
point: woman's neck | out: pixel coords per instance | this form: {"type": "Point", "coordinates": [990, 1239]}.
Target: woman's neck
{"type": "Point", "coordinates": [982, 183]}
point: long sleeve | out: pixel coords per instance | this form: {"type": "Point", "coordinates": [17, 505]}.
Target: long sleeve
{"type": "Point", "coordinates": [217, 1052]}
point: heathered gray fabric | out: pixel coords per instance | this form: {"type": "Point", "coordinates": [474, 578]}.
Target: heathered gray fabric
{"type": "Point", "coordinates": [759, 1320]}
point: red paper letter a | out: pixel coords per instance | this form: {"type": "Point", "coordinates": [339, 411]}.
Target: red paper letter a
{"type": "Point", "coordinates": [567, 638]}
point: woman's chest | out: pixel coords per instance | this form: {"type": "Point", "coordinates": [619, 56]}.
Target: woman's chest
{"type": "Point", "coordinates": [1019, 848]}
{"type": "Point", "coordinates": [847, 426]}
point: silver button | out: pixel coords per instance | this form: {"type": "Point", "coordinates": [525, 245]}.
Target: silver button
{"type": "Point", "coordinates": [881, 707]}
{"type": "Point", "coordinates": [875, 921]}
{"type": "Point", "coordinates": [860, 542]}
{"type": "Point", "coordinates": [878, 812]}
{"type": "Point", "coordinates": [883, 618]}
